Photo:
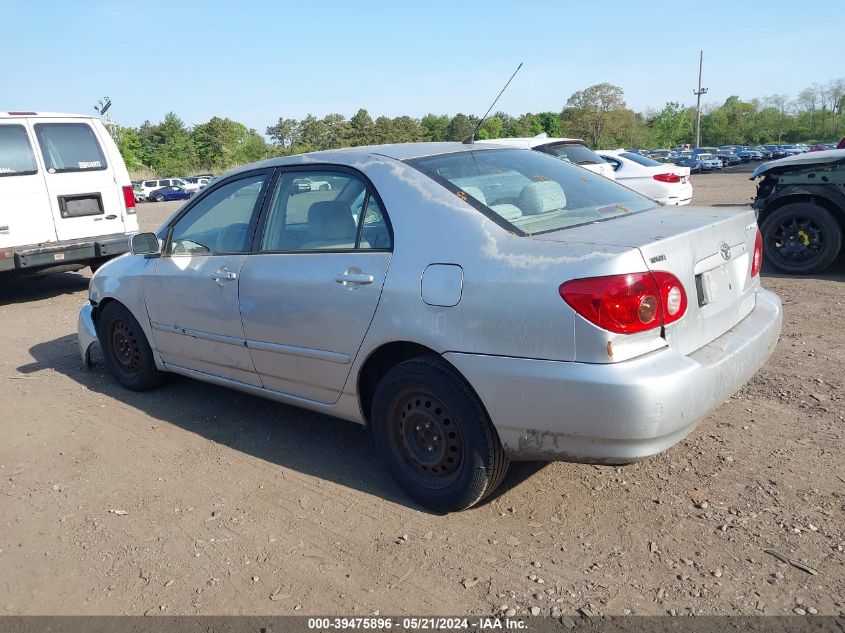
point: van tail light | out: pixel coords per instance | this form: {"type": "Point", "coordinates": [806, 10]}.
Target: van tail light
{"type": "Point", "coordinates": [129, 199]}
{"type": "Point", "coordinates": [757, 259]}
{"type": "Point", "coordinates": [667, 177]}
{"type": "Point", "coordinates": [630, 303]}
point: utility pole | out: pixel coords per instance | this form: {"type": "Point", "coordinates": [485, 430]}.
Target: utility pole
{"type": "Point", "coordinates": [102, 109]}
{"type": "Point", "coordinates": [698, 94]}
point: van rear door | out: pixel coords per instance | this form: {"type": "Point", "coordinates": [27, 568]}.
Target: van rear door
{"type": "Point", "coordinates": [25, 214]}
{"type": "Point", "coordinates": [85, 199]}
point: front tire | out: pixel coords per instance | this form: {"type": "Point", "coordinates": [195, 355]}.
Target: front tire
{"type": "Point", "coordinates": [801, 238]}
{"type": "Point", "coordinates": [159, 198]}
{"type": "Point", "coordinates": [126, 350]}
{"type": "Point", "coordinates": [434, 436]}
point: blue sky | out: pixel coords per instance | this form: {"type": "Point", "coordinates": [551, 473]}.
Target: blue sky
{"type": "Point", "coordinates": [258, 61]}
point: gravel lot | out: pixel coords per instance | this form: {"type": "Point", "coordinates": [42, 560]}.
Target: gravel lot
{"type": "Point", "coordinates": [197, 500]}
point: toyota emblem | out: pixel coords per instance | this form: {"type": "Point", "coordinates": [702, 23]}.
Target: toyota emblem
{"type": "Point", "coordinates": [725, 250]}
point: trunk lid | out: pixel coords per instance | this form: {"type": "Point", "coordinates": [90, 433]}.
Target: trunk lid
{"type": "Point", "coordinates": [709, 250]}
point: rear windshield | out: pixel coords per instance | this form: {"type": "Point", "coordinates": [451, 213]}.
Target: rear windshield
{"type": "Point", "coordinates": [16, 157]}
{"type": "Point", "coordinates": [529, 192]}
{"type": "Point", "coordinates": [642, 160]}
{"type": "Point", "coordinates": [69, 147]}
{"type": "Point", "coordinates": [574, 153]}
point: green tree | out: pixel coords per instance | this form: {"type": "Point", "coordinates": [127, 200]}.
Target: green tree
{"type": "Point", "coordinates": [671, 126]}
{"type": "Point", "coordinates": [435, 126]}
{"type": "Point", "coordinates": [593, 113]}
{"type": "Point", "coordinates": [361, 125]}
{"type": "Point", "coordinates": [460, 127]}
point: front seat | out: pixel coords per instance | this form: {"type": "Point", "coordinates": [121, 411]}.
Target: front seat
{"type": "Point", "coordinates": [330, 225]}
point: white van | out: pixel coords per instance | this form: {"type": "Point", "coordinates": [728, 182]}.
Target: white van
{"type": "Point", "coordinates": [66, 201]}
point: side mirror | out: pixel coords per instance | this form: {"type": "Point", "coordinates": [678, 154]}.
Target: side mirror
{"type": "Point", "coordinates": [145, 244]}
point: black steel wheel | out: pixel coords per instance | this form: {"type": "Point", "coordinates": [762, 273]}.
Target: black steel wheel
{"type": "Point", "coordinates": [429, 442]}
{"type": "Point", "coordinates": [434, 435]}
{"type": "Point", "coordinates": [801, 238]}
{"type": "Point", "coordinates": [125, 348]}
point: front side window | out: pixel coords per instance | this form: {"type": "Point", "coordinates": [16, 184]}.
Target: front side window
{"type": "Point", "coordinates": [69, 147]}
{"type": "Point", "coordinates": [324, 210]}
{"type": "Point", "coordinates": [16, 156]}
{"type": "Point", "coordinates": [529, 192]}
{"type": "Point", "coordinates": [220, 222]}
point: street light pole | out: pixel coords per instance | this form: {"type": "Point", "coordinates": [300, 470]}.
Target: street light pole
{"type": "Point", "coordinates": [698, 94]}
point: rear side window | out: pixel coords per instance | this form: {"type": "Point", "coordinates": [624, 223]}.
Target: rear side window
{"type": "Point", "coordinates": [642, 160]}
{"type": "Point", "coordinates": [69, 147]}
{"type": "Point", "coordinates": [574, 153]}
{"type": "Point", "coordinates": [16, 157]}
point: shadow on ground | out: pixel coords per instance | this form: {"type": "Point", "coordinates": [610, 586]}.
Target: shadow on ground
{"type": "Point", "coordinates": [302, 440]}
{"type": "Point", "coordinates": [26, 289]}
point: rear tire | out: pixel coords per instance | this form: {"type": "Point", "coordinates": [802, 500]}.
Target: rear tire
{"type": "Point", "coordinates": [434, 436]}
{"type": "Point", "coordinates": [801, 238]}
{"type": "Point", "coordinates": [126, 349]}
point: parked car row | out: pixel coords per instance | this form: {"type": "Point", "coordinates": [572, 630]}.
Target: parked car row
{"type": "Point", "coordinates": [161, 189]}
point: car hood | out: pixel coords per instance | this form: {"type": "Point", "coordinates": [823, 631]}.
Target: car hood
{"type": "Point", "coordinates": [809, 158]}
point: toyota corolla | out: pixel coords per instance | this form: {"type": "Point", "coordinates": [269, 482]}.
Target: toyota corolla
{"type": "Point", "coordinates": [469, 304]}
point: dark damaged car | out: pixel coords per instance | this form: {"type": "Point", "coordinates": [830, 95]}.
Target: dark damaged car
{"type": "Point", "coordinates": [801, 210]}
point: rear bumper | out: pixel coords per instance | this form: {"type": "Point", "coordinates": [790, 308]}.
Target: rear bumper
{"type": "Point", "coordinates": [35, 256]}
{"type": "Point", "coordinates": [617, 412]}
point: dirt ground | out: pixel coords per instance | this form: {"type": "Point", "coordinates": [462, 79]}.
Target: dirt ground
{"type": "Point", "coordinates": [197, 500]}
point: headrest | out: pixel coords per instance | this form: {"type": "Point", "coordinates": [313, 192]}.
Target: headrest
{"type": "Point", "coordinates": [331, 220]}
{"type": "Point", "coordinates": [540, 197]}
{"type": "Point", "coordinates": [476, 193]}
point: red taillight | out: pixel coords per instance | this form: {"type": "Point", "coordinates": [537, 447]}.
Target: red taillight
{"type": "Point", "coordinates": [667, 177]}
{"type": "Point", "coordinates": [627, 303]}
{"type": "Point", "coordinates": [23, 113]}
{"type": "Point", "coordinates": [757, 258]}
{"type": "Point", "coordinates": [129, 199]}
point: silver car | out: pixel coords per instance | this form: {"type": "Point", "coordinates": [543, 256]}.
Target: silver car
{"type": "Point", "coordinates": [470, 304]}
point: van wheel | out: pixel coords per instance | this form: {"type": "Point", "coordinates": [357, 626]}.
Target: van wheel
{"type": "Point", "coordinates": [435, 437]}
{"type": "Point", "coordinates": [801, 238]}
{"type": "Point", "coordinates": [126, 349]}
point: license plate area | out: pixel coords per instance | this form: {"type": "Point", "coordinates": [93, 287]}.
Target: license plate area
{"type": "Point", "coordinates": [715, 286]}
{"type": "Point", "coordinates": [81, 205]}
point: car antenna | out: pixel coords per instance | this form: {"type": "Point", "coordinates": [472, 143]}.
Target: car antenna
{"type": "Point", "coordinates": [471, 138]}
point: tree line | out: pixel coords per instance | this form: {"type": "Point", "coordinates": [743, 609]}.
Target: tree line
{"type": "Point", "coordinates": [598, 114]}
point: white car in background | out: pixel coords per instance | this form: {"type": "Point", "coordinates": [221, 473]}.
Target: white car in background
{"type": "Point", "coordinates": [662, 182]}
{"type": "Point", "coordinates": [573, 150]}
{"type": "Point", "coordinates": [195, 183]}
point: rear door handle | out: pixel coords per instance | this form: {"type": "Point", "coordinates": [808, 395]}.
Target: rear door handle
{"type": "Point", "coordinates": [224, 274]}
{"type": "Point", "coordinates": [354, 276]}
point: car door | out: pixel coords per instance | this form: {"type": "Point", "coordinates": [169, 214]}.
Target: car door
{"type": "Point", "coordinates": [311, 288]}
{"type": "Point", "coordinates": [84, 197]}
{"type": "Point", "coordinates": [192, 291]}
{"type": "Point", "coordinates": [25, 216]}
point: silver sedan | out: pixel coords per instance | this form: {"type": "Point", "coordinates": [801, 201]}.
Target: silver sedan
{"type": "Point", "coordinates": [470, 304]}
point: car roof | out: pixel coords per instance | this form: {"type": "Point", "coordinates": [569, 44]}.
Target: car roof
{"type": "Point", "coordinates": [530, 142]}
{"type": "Point", "coordinates": [349, 155]}
{"type": "Point", "coordinates": [21, 114]}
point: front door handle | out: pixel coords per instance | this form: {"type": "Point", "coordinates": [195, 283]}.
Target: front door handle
{"type": "Point", "coordinates": [354, 276]}
{"type": "Point", "coordinates": [224, 274]}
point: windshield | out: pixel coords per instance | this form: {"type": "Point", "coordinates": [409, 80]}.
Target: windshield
{"type": "Point", "coordinates": [573, 152]}
{"type": "Point", "coordinates": [529, 191]}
